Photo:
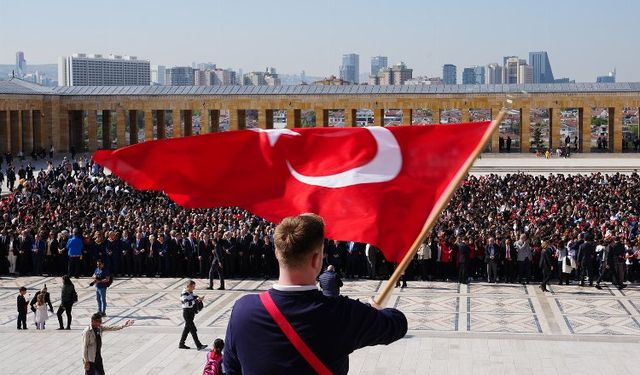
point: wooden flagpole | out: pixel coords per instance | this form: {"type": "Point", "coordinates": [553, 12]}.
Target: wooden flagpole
{"type": "Point", "coordinates": [382, 298]}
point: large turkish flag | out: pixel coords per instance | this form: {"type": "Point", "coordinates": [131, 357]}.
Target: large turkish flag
{"type": "Point", "coordinates": [375, 185]}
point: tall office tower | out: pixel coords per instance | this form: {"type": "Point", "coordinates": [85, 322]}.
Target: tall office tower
{"type": "Point", "coordinates": [350, 68]}
{"type": "Point", "coordinates": [180, 76]}
{"type": "Point", "coordinates": [493, 74]}
{"type": "Point", "coordinates": [516, 71]}
{"type": "Point", "coordinates": [21, 65]}
{"type": "Point", "coordinates": [449, 74]}
{"type": "Point", "coordinates": [158, 73]}
{"type": "Point", "coordinates": [542, 72]}
{"type": "Point", "coordinates": [378, 63]}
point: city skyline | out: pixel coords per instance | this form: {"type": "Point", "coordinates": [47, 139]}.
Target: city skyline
{"type": "Point", "coordinates": [432, 35]}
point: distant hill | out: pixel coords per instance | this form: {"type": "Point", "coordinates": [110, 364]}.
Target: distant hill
{"type": "Point", "coordinates": [51, 70]}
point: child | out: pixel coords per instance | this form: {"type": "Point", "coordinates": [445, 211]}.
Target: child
{"type": "Point", "coordinates": [41, 312]}
{"type": "Point", "coordinates": [22, 309]}
{"type": "Point", "coordinates": [214, 359]}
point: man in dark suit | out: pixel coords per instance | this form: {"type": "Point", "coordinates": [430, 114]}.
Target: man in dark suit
{"type": "Point", "coordinates": [216, 266]}
{"type": "Point", "coordinates": [463, 259]}
{"type": "Point", "coordinates": [546, 265]}
{"type": "Point", "coordinates": [189, 249]}
{"type": "Point", "coordinates": [491, 258]}
{"type": "Point", "coordinates": [331, 328]}
{"type": "Point", "coordinates": [38, 248]}
{"type": "Point", "coordinates": [586, 254]}
{"type": "Point", "coordinates": [330, 282]}
{"type": "Point", "coordinates": [508, 261]}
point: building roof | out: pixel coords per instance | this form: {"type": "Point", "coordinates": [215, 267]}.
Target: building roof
{"type": "Point", "coordinates": [16, 86]}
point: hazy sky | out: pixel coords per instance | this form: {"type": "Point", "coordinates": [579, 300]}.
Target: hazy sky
{"type": "Point", "coordinates": [583, 38]}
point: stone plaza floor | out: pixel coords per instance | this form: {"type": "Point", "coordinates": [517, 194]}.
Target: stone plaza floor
{"type": "Point", "coordinates": [453, 329]}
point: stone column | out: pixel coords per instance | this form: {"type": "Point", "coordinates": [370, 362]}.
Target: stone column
{"type": "Point", "coordinates": [178, 131]}
{"type": "Point", "coordinates": [92, 120]}
{"type": "Point", "coordinates": [378, 117]}
{"type": "Point", "coordinates": [133, 126]}
{"type": "Point", "coordinates": [27, 132]}
{"type": "Point", "coordinates": [160, 124]}
{"type": "Point", "coordinates": [188, 123]}
{"type": "Point", "coordinates": [435, 115]}
{"type": "Point", "coordinates": [615, 129]}
{"type": "Point", "coordinates": [525, 130]}
{"type": "Point", "coordinates": [465, 114]}
{"type": "Point", "coordinates": [407, 116]}
{"type": "Point", "coordinates": [495, 137]}
{"type": "Point", "coordinates": [21, 126]}
{"type": "Point", "coordinates": [148, 125]}
{"type": "Point", "coordinates": [265, 119]}
{"type": "Point", "coordinates": [204, 121]}
{"type": "Point", "coordinates": [322, 117]}
{"type": "Point", "coordinates": [237, 119]}
{"type": "Point", "coordinates": [62, 137]}
{"type": "Point", "coordinates": [106, 129]}
{"type": "Point", "coordinates": [121, 118]}
{"type": "Point", "coordinates": [215, 120]}
{"type": "Point", "coordinates": [37, 129]}
{"type": "Point", "coordinates": [292, 122]}
{"type": "Point", "coordinates": [554, 131]}
{"type": "Point", "coordinates": [584, 128]}
{"type": "Point", "coordinates": [350, 117]}
{"type": "Point", "coordinates": [5, 132]}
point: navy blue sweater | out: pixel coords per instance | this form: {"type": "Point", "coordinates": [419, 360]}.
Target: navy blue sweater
{"type": "Point", "coordinates": [331, 327]}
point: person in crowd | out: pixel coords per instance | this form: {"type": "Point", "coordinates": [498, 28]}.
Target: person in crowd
{"type": "Point", "coordinates": [74, 250]}
{"type": "Point", "coordinates": [68, 297]}
{"type": "Point", "coordinates": [492, 257]}
{"type": "Point", "coordinates": [330, 282]}
{"type": "Point", "coordinates": [524, 259]}
{"type": "Point", "coordinates": [331, 328]}
{"type": "Point", "coordinates": [546, 264]}
{"type": "Point", "coordinates": [191, 304]}
{"type": "Point", "coordinates": [92, 344]}
{"type": "Point", "coordinates": [215, 268]}
{"type": "Point", "coordinates": [586, 254]}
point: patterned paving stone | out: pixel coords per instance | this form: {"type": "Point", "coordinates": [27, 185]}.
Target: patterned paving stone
{"type": "Point", "coordinates": [591, 306]}
{"type": "Point", "coordinates": [602, 325]}
{"type": "Point", "coordinates": [500, 305]}
{"type": "Point", "coordinates": [431, 303]}
{"type": "Point", "coordinates": [515, 289]}
{"type": "Point", "coordinates": [503, 323]}
{"type": "Point", "coordinates": [432, 321]}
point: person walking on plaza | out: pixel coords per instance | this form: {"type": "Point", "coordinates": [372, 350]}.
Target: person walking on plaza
{"type": "Point", "coordinates": [546, 265]}
{"type": "Point", "coordinates": [191, 304]}
{"type": "Point", "coordinates": [23, 307]}
{"type": "Point", "coordinates": [68, 297]}
{"type": "Point", "coordinates": [101, 280]}
{"type": "Point", "coordinates": [46, 298]}
{"type": "Point", "coordinates": [330, 282]}
{"type": "Point", "coordinates": [293, 328]}
{"type": "Point", "coordinates": [92, 344]}
{"type": "Point", "coordinates": [586, 254]}
{"type": "Point", "coordinates": [215, 269]}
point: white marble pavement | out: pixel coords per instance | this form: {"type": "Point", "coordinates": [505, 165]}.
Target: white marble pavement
{"type": "Point", "coordinates": [454, 329]}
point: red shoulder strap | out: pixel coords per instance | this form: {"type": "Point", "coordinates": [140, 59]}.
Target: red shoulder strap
{"type": "Point", "coordinates": [292, 335]}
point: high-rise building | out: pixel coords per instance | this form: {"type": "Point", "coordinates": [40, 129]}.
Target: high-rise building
{"type": "Point", "coordinates": [267, 78]}
{"type": "Point", "coordinates": [449, 74]}
{"type": "Point", "coordinates": [350, 68]}
{"type": "Point", "coordinates": [224, 77]}
{"type": "Point", "coordinates": [206, 66]}
{"type": "Point", "coordinates": [158, 73]}
{"type": "Point", "coordinates": [479, 72]}
{"type": "Point", "coordinates": [468, 76]}
{"type": "Point", "coordinates": [378, 63]}
{"type": "Point", "coordinates": [516, 71]}
{"type": "Point", "coordinates": [494, 74]}
{"type": "Point", "coordinates": [180, 76]}
{"type": "Point", "coordinates": [396, 75]}
{"type": "Point", "coordinates": [21, 65]}
{"type": "Point", "coordinates": [97, 70]}
{"type": "Point", "coordinates": [609, 78]}
{"type": "Point", "coordinates": [542, 72]}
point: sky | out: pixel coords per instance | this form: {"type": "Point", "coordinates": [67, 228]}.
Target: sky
{"type": "Point", "coordinates": [583, 38]}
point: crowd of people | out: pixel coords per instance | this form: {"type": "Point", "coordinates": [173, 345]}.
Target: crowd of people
{"type": "Point", "coordinates": [66, 217]}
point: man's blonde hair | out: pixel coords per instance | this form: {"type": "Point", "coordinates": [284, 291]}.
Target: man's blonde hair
{"type": "Point", "coordinates": [296, 237]}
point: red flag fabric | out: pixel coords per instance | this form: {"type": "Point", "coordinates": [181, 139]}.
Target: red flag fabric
{"type": "Point", "coordinates": [375, 185]}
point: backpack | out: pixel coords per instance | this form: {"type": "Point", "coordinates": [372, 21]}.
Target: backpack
{"type": "Point", "coordinates": [213, 365]}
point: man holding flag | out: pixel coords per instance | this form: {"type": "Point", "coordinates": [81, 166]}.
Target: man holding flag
{"type": "Point", "coordinates": [293, 328]}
